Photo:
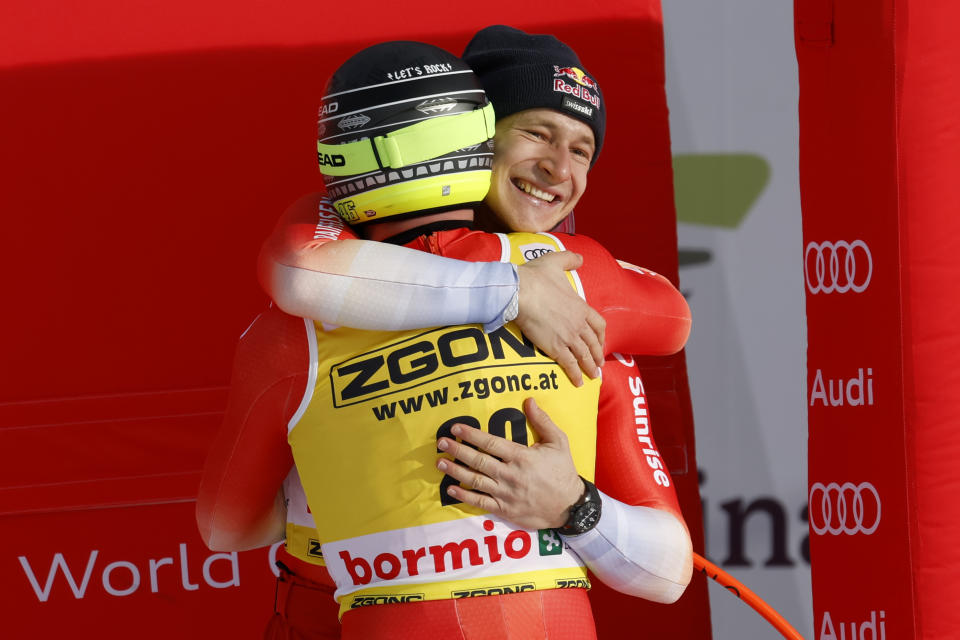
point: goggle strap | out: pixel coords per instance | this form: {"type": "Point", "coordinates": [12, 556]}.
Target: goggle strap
{"type": "Point", "coordinates": [412, 144]}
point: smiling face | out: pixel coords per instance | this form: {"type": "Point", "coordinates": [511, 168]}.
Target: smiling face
{"type": "Point", "coordinates": [540, 163]}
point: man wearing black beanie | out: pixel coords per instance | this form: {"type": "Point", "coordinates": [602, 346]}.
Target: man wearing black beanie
{"type": "Point", "coordinates": [548, 138]}
{"type": "Point", "coordinates": [521, 71]}
{"type": "Point", "coordinates": [551, 118]}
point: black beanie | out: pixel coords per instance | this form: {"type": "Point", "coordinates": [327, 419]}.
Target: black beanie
{"type": "Point", "coordinates": [528, 71]}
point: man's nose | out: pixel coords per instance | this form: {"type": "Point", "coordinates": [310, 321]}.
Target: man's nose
{"type": "Point", "coordinates": [555, 163]}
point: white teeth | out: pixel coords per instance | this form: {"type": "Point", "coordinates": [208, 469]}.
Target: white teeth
{"type": "Point", "coordinates": [536, 193]}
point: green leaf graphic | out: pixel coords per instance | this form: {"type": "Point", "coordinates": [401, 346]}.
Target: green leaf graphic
{"type": "Point", "coordinates": [717, 189]}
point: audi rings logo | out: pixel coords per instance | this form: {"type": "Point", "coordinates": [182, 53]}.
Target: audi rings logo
{"type": "Point", "coordinates": [837, 266]}
{"type": "Point", "coordinates": [535, 250]}
{"type": "Point", "coordinates": [533, 254]}
{"type": "Point", "coordinates": [844, 508]}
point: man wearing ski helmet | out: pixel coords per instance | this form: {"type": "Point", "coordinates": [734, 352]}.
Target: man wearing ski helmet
{"type": "Point", "coordinates": [373, 212]}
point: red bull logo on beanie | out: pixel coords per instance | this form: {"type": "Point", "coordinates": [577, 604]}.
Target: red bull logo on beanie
{"type": "Point", "coordinates": [583, 87]}
{"type": "Point", "coordinates": [575, 74]}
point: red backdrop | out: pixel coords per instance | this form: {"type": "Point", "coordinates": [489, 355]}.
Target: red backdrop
{"type": "Point", "coordinates": [147, 150]}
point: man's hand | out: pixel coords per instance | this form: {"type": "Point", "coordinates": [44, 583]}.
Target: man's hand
{"type": "Point", "coordinates": [532, 487]}
{"type": "Point", "coordinates": [557, 319]}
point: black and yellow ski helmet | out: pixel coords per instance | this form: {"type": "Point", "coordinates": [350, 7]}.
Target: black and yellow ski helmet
{"type": "Point", "coordinates": [404, 129]}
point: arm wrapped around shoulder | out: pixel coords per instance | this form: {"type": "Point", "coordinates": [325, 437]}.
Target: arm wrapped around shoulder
{"type": "Point", "coordinates": [645, 313]}
{"type": "Point", "coordinates": [314, 266]}
{"type": "Point", "coordinates": [372, 285]}
{"type": "Point", "coordinates": [639, 551]}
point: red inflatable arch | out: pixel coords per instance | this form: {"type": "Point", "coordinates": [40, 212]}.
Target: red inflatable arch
{"type": "Point", "coordinates": [147, 150]}
{"type": "Point", "coordinates": [879, 158]}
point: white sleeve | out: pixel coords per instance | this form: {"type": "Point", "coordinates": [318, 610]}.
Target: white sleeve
{"type": "Point", "coordinates": [639, 551]}
{"type": "Point", "coordinates": [390, 288]}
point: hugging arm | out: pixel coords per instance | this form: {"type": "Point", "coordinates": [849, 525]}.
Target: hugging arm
{"type": "Point", "coordinates": [641, 546]}
{"type": "Point", "coordinates": [644, 312]}
{"type": "Point", "coordinates": [639, 550]}
{"type": "Point", "coordinates": [314, 266]}
{"type": "Point", "coordinates": [240, 503]}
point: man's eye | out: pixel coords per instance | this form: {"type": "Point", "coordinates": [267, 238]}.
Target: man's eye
{"type": "Point", "coordinates": [536, 134]}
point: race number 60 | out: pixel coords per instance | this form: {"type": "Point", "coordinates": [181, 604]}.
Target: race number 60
{"type": "Point", "coordinates": [496, 426]}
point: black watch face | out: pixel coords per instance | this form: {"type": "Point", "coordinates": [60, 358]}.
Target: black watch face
{"type": "Point", "coordinates": [586, 517]}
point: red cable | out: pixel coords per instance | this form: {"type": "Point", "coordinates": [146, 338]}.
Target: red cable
{"type": "Point", "coordinates": [737, 588]}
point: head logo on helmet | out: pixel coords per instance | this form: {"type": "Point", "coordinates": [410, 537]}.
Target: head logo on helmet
{"type": "Point", "coordinates": [405, 129]}
{"type": "Point", "coordinates": [331, 159]}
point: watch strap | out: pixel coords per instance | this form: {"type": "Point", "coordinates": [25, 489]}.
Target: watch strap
{"type": "Point", "coordinates": [584, 513]}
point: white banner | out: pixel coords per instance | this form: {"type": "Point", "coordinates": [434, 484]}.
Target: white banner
{"type": "Point", "coordinates": [732, 91]}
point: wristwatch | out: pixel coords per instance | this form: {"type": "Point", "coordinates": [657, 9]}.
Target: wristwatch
{"type": "Point", "coordinates": [585, 512]}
